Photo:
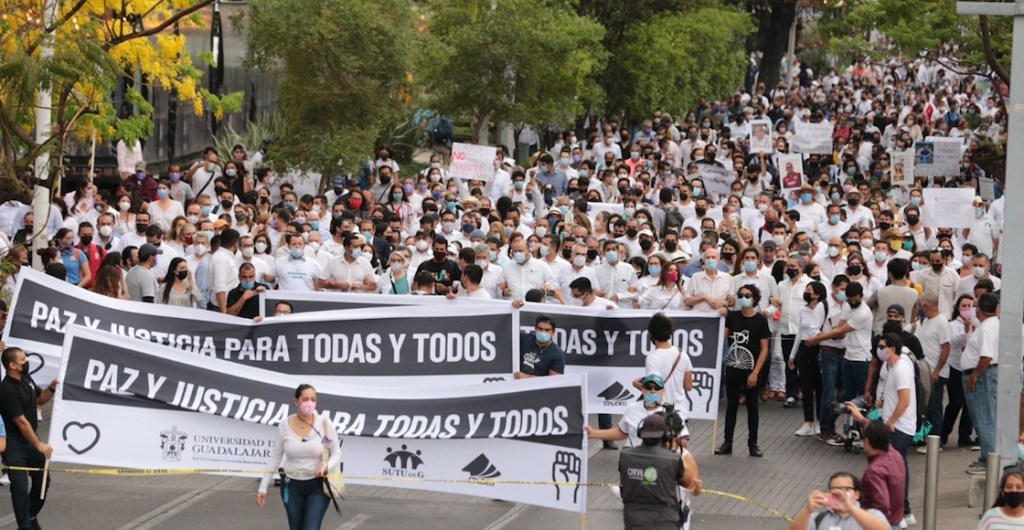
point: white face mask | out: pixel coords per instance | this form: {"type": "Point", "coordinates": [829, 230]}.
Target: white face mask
{"type": "Point", "coordinates": [398, 266]}
{"type": "Point", "coordinates": [314, 246]}
{"type": "Point", "coordinates": [261, 247]}
{"type": "Point", "coordinates": [483, 263]}
{"type": "Point", "coordinates": [247, 252]}
{"type": "Point", "coordinates": [124, 206]}
{"type": "Point", "coordinates": [199, 250]}
{"type": "Point", "coordinates": [579, 261]}
{"type": "Point", "coordinates": [106, 230]}
{"type": "Point", "coordinates": [421, 245]}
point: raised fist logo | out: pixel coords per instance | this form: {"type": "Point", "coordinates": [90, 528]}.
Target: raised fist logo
{"type": "Point", "coordinates": [565, 472]}
{"type": "Point", "coordinates": [703, 387]}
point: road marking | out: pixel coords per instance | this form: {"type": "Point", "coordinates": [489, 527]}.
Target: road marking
{"type": "Point", "coordinates": [509, 516]}
{"type": "Point", "coordinates": [167, 510]}
{"type": "Point", "coordinates": [356, 521]}
{"type": "Point", "coordinates": [7, 520]}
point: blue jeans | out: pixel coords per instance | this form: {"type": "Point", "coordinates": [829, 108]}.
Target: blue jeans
{"type": "Point", "coordinates": [982, 405]}
{"type": "Point", "coordinates": [830, 363]}
{"type": "Point", "coordinates": [855, 376]}
{"type": "Point", "coordinates": [306, 503]}
{"type": "Point", "coordinates": [26, 486]}
{"type": "Point", "coordinates": [901, 441]}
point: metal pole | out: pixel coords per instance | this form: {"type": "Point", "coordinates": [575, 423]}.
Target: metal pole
{"type": "Point", "coordinates": [931, 482]}
{"type": "Point", "coordinates": [992, 473]}
{"type": "Point", "coordinates": [1012, 294]}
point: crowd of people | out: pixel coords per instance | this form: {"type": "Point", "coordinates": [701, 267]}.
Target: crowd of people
{"type": "Point", "coordinates": [831, 289]}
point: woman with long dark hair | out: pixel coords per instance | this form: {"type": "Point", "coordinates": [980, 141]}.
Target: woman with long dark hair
{"type": "Point", "coordinates": [1008, 510]}
{"type": "Point", "coordinates": [179, 289]}
{"type": "Point", "coordinates": [804, 358]}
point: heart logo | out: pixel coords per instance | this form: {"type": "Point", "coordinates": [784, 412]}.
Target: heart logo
{"type": "Point", "coordinates": [82, 434]}
{"type": "Point", "coordinates": [36, 362]}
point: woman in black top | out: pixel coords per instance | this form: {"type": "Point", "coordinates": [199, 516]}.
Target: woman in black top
{"type": "Point", "coordinates": [748, 336]}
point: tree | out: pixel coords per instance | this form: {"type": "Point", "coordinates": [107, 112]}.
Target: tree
{"type": "Point", "coordinates": [673, 61]}
{"type": "Point", "coordinates": [95, 44]}
{"type": "Point", "coordinates": [775, 20]}
{"type": "Point", "coordinates": [342, 65]}
{"type": "Point", "coordinates": [913, 28]}
{"type": "Point", "coordinates": [517, 61]}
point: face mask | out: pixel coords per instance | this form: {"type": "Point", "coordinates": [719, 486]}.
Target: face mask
{"type": "Point", "coordinates": [448, 227]}
{"type": "Point", "coordinates": [710, 264]}
{"type": "Point", "coordinates": [853, 202]}
{"type": "Point", "coordinates": [841, 296]}
{"type": "Point", "coordinates": [247, 252]}
{"type": "Point", "coordinates": [307, 408]}
{"type": "Point", "coordinates": [697, 191]}
{"type": "Point", "coordinates": [833, 219]}
{"type": "Point", "coordinates": [979, 272]}
{"type": "Point", "coordinates": [646, 244]}
{"type": "Point", "coordinates": [396, 197]}
{"type": "Point", "coordinates": [965, 314]}
{"type": "Point", "coordinates": [806, 197]}
{"type": "Point", "coordinates": [700, 211]}
{"type": "Point", "coordinates": [507, 230]}
{"type": "Point", "coordinates": [634, 155]}
{"type": "Point", "coordinates": [979, 211]}
{"type": "Point", "coordinates": [851, 171]}
{"type": "Point", "coordinates": [519, 185]}
{"type": "Point", "coordinates": [421, 245]}
{"type": "Point", "coordinates": [481, 263]}
{"type": "Point", "coordinates": [880, 256]}
{"type": "Point", "coordinates": [296, 253]}
{"type": "Point", "coordinates": [140, 228]}
{"type": "Point", "coordinates": [140, 175]}
{"type": "Point", "coordinates": [231, 172]}
{"type": "Point", "coordinates": [261, 247]}
{"type": "Point", "coordinates": [912, 219]}
{"type": "Point", "coordinates": [835, 197]}
{"type": "Point", "coordinates": [564, 162]}
{"type": "Point", "coordinates": [541, 231]}
{"type": "Point", "coordinates": [867, 243]}
{"type": "Point", "coordinates": [175, 176]}
{"type": "Point", "coordinates": [895, 245]}
{"type": "Point", "coordinates": [162, 193]}
{"type": "Point", "coordinates": [652, 399]}
{"type": "Point", "coordinates": [808, 297]}
{"type": "Point", "coordinates": [672, 276]}
{"type": "Point", "coordinates": [357, 253]}
{"type": "Point", "coordinates": [440, 255]}
{"type": "Point", "coordinates": [883, 226]}
{"type": "Point", "coordinates": [854, 270]}
{"type": "Point", "coordinates": [520, 257]}
{"type": "Point", "coordinates": [916, 201]}
{"type": "Point", "coordinates": [124, 206]}
{"type": "Point", "coordinates": [591, 255]}
{"type": "Point", "coordinates": [206, 210]}
{"type": "Point", "coordinates": [671, 246]}
{"type": "Point", "coordinates": [493, 255]}
{"type": "Point", "coordinates": [579, 261]}
{"type": "Point", "coordinates": [779, 240]}
{"type": "Point", "coordinates": [199, 250]}
{"type": "Point", "coordinates": [182, 275]}
{"type": "Point", "coordinates": [106, 230]}
{"type": "Point", "coordinates": [611, 257]}
{"type": "Point", "coordinates": [435, 177]}
{"type": "Point", "coordinates": [543, 338]}
{"type": "Point", "coordinates": [1014, 499]}
{"type": "Point", "coordinates": [654, 270]}
{"type": "Point", "coordinates": [883, 354]}
{"type": "Point", "coordinates": [792, 273]}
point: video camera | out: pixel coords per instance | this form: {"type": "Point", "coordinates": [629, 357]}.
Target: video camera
{"type": "Point", "coordinates": [674, 425]}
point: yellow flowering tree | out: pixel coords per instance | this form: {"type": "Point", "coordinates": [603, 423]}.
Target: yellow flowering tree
{"type": "Point", "coordinates": [94, 44]}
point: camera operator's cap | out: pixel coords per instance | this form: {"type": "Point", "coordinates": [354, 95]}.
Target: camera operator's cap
{"type": "Point", "coordinates": [147, 250]}
{"type": "Point", "coordinates": [653, 378]}
{"type": "Point", "coordinates": [896, 308]}
{"type": "Point", "coordinates": [140, 166]}
{"type": "Point", "coordinates": [653, 426]}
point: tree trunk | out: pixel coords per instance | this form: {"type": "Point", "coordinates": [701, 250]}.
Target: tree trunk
{"type": "Point", "coordinates": [481, 131]}
{"type": "Point", "coordinates": [775, 32]}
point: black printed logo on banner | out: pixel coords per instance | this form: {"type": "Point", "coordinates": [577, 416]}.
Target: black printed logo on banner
{"type": "Point", "coordinates": [172, 444]}
{"type": "Point", "coordinates": [565, 473]}
{"type": "Point", "coordinates": [85, 436]}
{"type": "Point", "coordinates": [481, 468]}
{"type": "Point", "coordinates": [403, 463]}
{"type": "Point", "coordinates": [617, 395]}
{"type": "Point", "coordinates": [36, 362]}
{"type": "Point", "coordinates": [703, 387]}
{"type": "Point", "coordinates": [493, 379]}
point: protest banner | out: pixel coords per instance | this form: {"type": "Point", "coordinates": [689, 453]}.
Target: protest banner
{"type": "Point", "coordinates": [812, 138]}
{"type": "Point", "coordinates": [473, 162]}
{"type": "Point", "coordinates": [902, 164]}
{"type": "Point", "coordinates": [131, 404]}
{"type": "Point", "coordinates": [305, 302]}
{"type": "Point", "coordinates": [761, 136]}
{"type": "Point", "coordinates": [717, 180]}
{"type": "Point", "coordinates": [462, 343]}
{"type": "Point", "coordinates": [948, 207]}
{"type": "Point", "coordinates": [937, 157]}
{"type": "Point", "coordinates": [611, 347]}
{"type": "Point", "coordinates": [791, 171]}
{"type": "Point", "coordinates": [594, 208]}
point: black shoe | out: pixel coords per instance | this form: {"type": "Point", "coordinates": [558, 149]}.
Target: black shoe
{"type": "Point", "coordinates": [35, 525]}
{"type": "Point", "coordinates": [725, 449]}
{"type": "Point", "coordinates": [755, 452]}
{"type": "Point", "coordinates": [610, 445]}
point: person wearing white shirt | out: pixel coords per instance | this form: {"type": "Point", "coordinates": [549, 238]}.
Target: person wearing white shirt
{"type": "Point", "coordinates": [934, 332]}
{"type": "Point", "coordinates": [666, 294]}
{"type": "Point", "coordinates": [811, 322]}
{"type": "Point", "coordinates": [224, 270]}
{"type": "Point", "coordinates": [616, 279]}
{"type": "Point", "coordinates": [491, 272]}
{"type": "Point", "coordinates": [349, 272]}
{"type": "Point", "coordinates": [672, 364]}
{"type": "Point", "coordinates": [296, 271]}
{"type": "Point", "coordinates": [856, 214]}
{"type": "Point", "coordinates": [791, 298]}
{"type": "Point", "coordinates": [578, 269]}
{"type": "Point", "coordinates": [105, 232]}
{"type": "Point", "coordinates": [760, 277]}
{"type": "Point", "coordinates": [203, 173]}
{"type": "Point", "coordinates": [979, 367]}
{"type": "Point", "coordinates": [980, 271]}
{"type": "Point", "coordinates": [137, 238]}
{"type": "Point", "coordinates": [710, 289]}
{"type": "Point", "coordinates": [526, 273]}
{"type": "Point", "coordinates": [472, 275]}
{"type": "Point", "coordinates": [11, 214]}
{"type": "Point", "coordinates": [855, 330]}
{"type": "Point", "coordinates": [835, 226]}
{"type": "Point", "coordinates": [982, 232]}
{"type": "Point", "coordinates": [938, 280]}
{"type": "Point", "coordinates": [608, 145]}
{"type": "Point", "coordinates": [833, 262]}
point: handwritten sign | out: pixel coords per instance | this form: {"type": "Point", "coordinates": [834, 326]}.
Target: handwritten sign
{"type": "Point", "coordinates": [948, 207]}
{"type": "Point", "coordinates": [473, 162]}
{"type": "Point", "coordinates": [812, 138]}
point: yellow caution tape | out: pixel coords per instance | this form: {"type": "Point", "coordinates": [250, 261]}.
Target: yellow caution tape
{"type": "Point", "coordinates": [124, 472]}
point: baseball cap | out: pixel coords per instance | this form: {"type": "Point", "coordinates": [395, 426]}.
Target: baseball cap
{"type": "Point", "coordinates": [221, 224]}
{"type": "Point", "coordinates": [769, 243]}
{"type": "Point", "coordinates": [653, 426]}
{"type": "Point", "coordinates": [645, 232]}
{"type": "Point", "coordinates": [147, 250]}
{"type": "Point", "coordinates": [140, 166]}
{"type": "Point", "coordinates": [653, 378]}
{"type": "Point", "coordinates": [896, 308]}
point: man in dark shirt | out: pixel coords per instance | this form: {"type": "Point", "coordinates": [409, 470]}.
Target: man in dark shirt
{"type": "Point", "coordinates": [539, 355]}
{"type": "Point", "coordinates": [19, 397]}
{"type": "Point", "coordinates": [444, 270]}
{"type": "Point", "coordinates": [244, 300]}
{"type": "Point", "coordinates": [649, 475]}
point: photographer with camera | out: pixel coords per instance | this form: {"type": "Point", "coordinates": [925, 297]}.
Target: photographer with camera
{"type": "Point", "coordinates": [653, 402]}
{"type": "Point", "coordinates": [651, 475]}
{"type": "Point", "coordinates": [838, 508]}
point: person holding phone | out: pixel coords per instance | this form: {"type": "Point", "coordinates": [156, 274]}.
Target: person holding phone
{"type": "Point", "coordinates": [839, 507]}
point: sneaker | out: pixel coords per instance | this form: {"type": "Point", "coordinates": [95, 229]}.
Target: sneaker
{"type": "Point", "coordinates": [5, 480]}
{"type": "Point", "coordinates": [976, 469]}
{"type": "Point", "coordinates": [924, 449]}
{"type": "Point", "coordinates": [817, 429]}
{"type": "Point", "coordinates": [826, 436]}
{"type": "Point", "coordinates": [836, 441]}
{"type": "Point", "coordinates": [610, 445]}
{"type": "Point", "coordinates": [790, 402]}
{"type": "Point", "coordinates": [910, 520]}
{"type": "Point", "coordinates": [805, 430]}
{"type": "Point", "coordinates": [976, 448]}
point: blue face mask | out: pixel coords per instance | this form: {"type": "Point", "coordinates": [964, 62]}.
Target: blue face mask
{"type": "Point", "coordinates": [841, 296]}
{"type": "Point", "coordinates": [711, 264]}
{"type": "Point", "coordinates": [436, 195]}
{"type": "Point", "coordinates": [806, 197]}
{"type": "Point", "coordinates": [520, 257]}
{"type": "Point", "coordinates": [652, 398]}
{"type": "Point", "coordinates": [247, 285]}
{"type": "Point", "coordinates": [452, 205]}
{"type": "Point", "coordinates": [519, 186]}
{"type": "Point", "coordinates": [207, 209]}
{"type": "Point", "coordinates": [543, 338]}
{"type": "Point", "coordinates": [611, 257]}
{"type": "Point", "coordinates": [357, 253]}
{"type": "Point", "coordinates": [833, 219]}
{"type": "Point", "coordinates": [916, 201]}
{"type": "Point", "coordinates": [835, 196]}
{"type": "Point", "coordinates": [297, 253]}
{"type": "Point", "coordinates": [366, 235]}
{"type": "Point", "coordinates": [315, 225]}
{"type": "Point", "coordinates": [851, 171]}
{"type": "Point", "coordinates": [544, 251]}
{"type": "Point", "coordinates": [655, 270]}
{"type": "Point", "coordinates": [162, 193]}
{"type": "Point", "coordinates": [750, 266]}
{"type": "Point", "coordinates": [745, 303]}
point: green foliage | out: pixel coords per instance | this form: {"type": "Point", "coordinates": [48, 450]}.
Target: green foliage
{"type": "Point", "coordinates": [341, 65]}
{"type": "Point", "coordinates": [524, 61]}
{"type": "Point", "coordinates": [251, 137]}
{"type": "Point", "coordinates": [403, 138]}
{"type": "Point", "coordinates": [668, 59]}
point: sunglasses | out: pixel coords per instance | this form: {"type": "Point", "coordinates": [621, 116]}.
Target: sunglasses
{"type": "Point", "coordinates": [652, 387]}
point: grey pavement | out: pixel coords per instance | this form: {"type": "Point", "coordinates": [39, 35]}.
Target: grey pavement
{"type": "Point", "coordinates": [791, 468]}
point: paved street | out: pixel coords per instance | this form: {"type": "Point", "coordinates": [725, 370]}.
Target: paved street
{"type": "Point", "coordinates": [791, 468]}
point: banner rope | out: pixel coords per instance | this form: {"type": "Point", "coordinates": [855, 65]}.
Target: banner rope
{"type": "Point", "coordinates": [125, 472]}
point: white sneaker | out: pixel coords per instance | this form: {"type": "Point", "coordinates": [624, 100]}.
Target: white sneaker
{"type": "Point", "coordinates": [805, 430]}
{"type": "Point", "coordinates": [924, 449]}
{"type": "Point", "coordinates": [817, 429]}
{"type": "Point", "coordinates": [909, 520]}
{"type": "Point", "coordinates": [5, 480]}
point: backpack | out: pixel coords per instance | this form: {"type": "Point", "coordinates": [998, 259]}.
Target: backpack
{"type": "Point", "coordinates": [443, 132]}
{"type": "Point", "coordinates": [923, 394]}
{"type": "Point", "coordinates": [673, 217]}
